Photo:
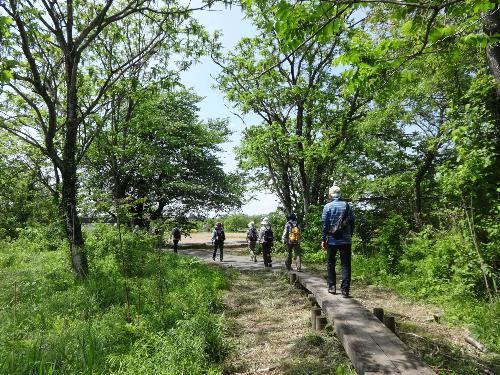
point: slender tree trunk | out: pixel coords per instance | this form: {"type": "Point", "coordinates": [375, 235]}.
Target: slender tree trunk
{"type": "Point", "coordinates": [73, 225]}
{"type": "Point", "coordinates": [491, 26]}
{"type": "Point", "coordinates": [72, 221]}
{"type": "Point", "coordinates": [304, 181]}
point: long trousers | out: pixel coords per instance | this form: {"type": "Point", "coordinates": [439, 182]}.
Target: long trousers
{"type": "Point", "coordinates": [251, 249]}
{"type": "Point", "coordinates": [266, 253]}
{"type": "Point", "coordinates": [218, 245]}
{"type": "Point", "coordinates": [298, 256]}
{"type": "Point", "coordinates": [176, 245]}
{"type": "Point", "coordinates": [345, 265]}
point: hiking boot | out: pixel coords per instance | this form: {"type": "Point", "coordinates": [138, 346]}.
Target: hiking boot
{"type": "Point", "coordinates": [332, 289]}
{"type": "Point", "coordinates": [213, 258]}
{"type": "Point", "coordinates": [345, 293]}
{"type": "Point", "coordinates": [221, 260]}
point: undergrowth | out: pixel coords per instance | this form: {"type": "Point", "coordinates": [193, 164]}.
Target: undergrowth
{"type": "Point", "coordinates": [138, 312]}
{"type": "Point", "coordinates": [436, 267]}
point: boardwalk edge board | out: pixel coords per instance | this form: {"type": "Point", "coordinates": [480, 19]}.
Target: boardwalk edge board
{"type": "Point", "coordinates": [371, 346]}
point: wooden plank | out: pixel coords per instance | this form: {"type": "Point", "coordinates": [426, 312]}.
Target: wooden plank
{"type": "Point", "coordinates": [372, 348]}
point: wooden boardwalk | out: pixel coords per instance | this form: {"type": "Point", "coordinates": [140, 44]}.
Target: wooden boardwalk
{"type": "Point", "coordinates": [371, 346]}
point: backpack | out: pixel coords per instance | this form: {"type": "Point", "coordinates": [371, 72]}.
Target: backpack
{"type": "Point", "coordinates": [337, 229]}
{"type": "Point", "coordinates": [268, 235]}
{"type": "Point", "coordinates": [252, 234]}
{"type": "Point", "coordinates": [219, 235]}
{"type": "Point", "coordinates": [176, 234]}
{"type": "Point", "coordinates": [294, 234]}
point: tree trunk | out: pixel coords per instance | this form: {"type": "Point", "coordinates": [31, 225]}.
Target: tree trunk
{"type": "Point", "coordinates": [491, 26]}
{"type": "Point", "coordinates": [73, 225]}
{"type": "Point", "coordinates": [304, 182]}
{"type": "Point", "coordinates": [69, 171]}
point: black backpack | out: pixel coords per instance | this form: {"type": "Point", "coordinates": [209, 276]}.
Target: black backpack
{"type": "Point", "coordinates": [252, 234]}
{"type": "Point", "coordinates": [268, 235]}
{"type": "Point", "coordinates": [343, 222]}
{"type": "Point", "coordinates": [220, 236]}
{"type": "Point", "coordinates": [176, 234]}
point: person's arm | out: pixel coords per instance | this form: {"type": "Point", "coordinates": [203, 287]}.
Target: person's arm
{"type": "Point", "coordinates": [284, 237]}
{"type": "Point", "coordinates": [325, 222]}
{"type": "Point", "coordinates": [352, 219]}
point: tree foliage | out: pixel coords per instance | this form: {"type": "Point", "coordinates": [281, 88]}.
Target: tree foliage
{"type": "Point", "coordinates": [155, 151]}
{"type": "Point", "coordinates": [66, 60]}
{"type": "Point", "coordinates": [409, 99]}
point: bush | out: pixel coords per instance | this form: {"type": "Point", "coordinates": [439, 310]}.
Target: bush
{"type": "Point", "coordinates": [389, 241]}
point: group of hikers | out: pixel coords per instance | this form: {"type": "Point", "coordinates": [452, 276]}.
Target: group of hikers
{"type": "Point", "coordinates": [337, 229]}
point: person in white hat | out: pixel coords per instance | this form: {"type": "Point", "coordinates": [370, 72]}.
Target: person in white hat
{"type": "Point", "coordinates": [266, 238]}
{"type": "Point", "coordinates": [252, 238]}
{"type": "Point", "coordinates": [338, 226]}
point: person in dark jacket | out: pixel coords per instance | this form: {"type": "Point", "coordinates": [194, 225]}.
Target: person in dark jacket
{"type": "Point", "coordinates": [218, 238]}
{"type": "Point", "coordinates": [176, 236]}
{"type": "Point", "coordinates": [252, 237]}
{"type": "Point", "coordinates": [291, 239]}
{"type": "Point", "coordinates": [266, 238]}
{"type": "Point", "coordinates": [339, 242]}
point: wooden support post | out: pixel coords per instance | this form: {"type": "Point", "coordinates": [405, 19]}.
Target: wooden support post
{"type": "Point", "coordinates": [320, 322]}
{"type": "Point", "coordinates": [390, 323]}
{"type": "Point", "coordinates": [312, 299]}
{"type": "Point", "coordinates": [379, 313]}
{"type": "Point", "coordinates": [293, 277]}
{"type": "Point", "coordinates": [315, 311]}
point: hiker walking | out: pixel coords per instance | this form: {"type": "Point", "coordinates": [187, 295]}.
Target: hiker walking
{"type": "Point", "coordinates": [218, 238]}
{"type": "Point", "coordinates": [338, 226]}
{"type": "Point", "coordinates": [266, 238]}
{"type": "Point", "coordinates": [176, 236]}
{"type": "Point", "coordinates": [252, 238]}
{"type": "Point", "coordinates": [291, 238]}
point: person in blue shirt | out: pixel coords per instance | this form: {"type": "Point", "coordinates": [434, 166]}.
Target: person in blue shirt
{"type": "Point", "coordinates": [339, 242]}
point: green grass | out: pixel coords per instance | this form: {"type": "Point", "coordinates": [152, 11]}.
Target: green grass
{"type": "Point", "coordinates": [51, 323]}
{"type": "Point", "coordinates": [460, 307]}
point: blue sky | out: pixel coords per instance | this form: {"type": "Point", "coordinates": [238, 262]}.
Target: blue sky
{"type": "Point", "coordinates": [234, 26]}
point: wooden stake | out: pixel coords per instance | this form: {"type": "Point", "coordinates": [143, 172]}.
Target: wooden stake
{"type": "Point", "coordinates": [315, 311]}
{"type": "Point", "coordinates": [379, 313]}
{"type": "Point", "coordinates": [312, 299]}
{"type": "Point", "coordinates": [320, 322]}
{"type": "Point", "coordinates": [390, 323]}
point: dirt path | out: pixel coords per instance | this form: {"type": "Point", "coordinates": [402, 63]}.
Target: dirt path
{"type": "Point", "coordinates": [271, 330]}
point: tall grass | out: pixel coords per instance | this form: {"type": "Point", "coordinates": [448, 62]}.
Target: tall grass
{"type": "Point", "coordinates": [440, 268]}
{"type": "Point", "coordinates": [50, 323]}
